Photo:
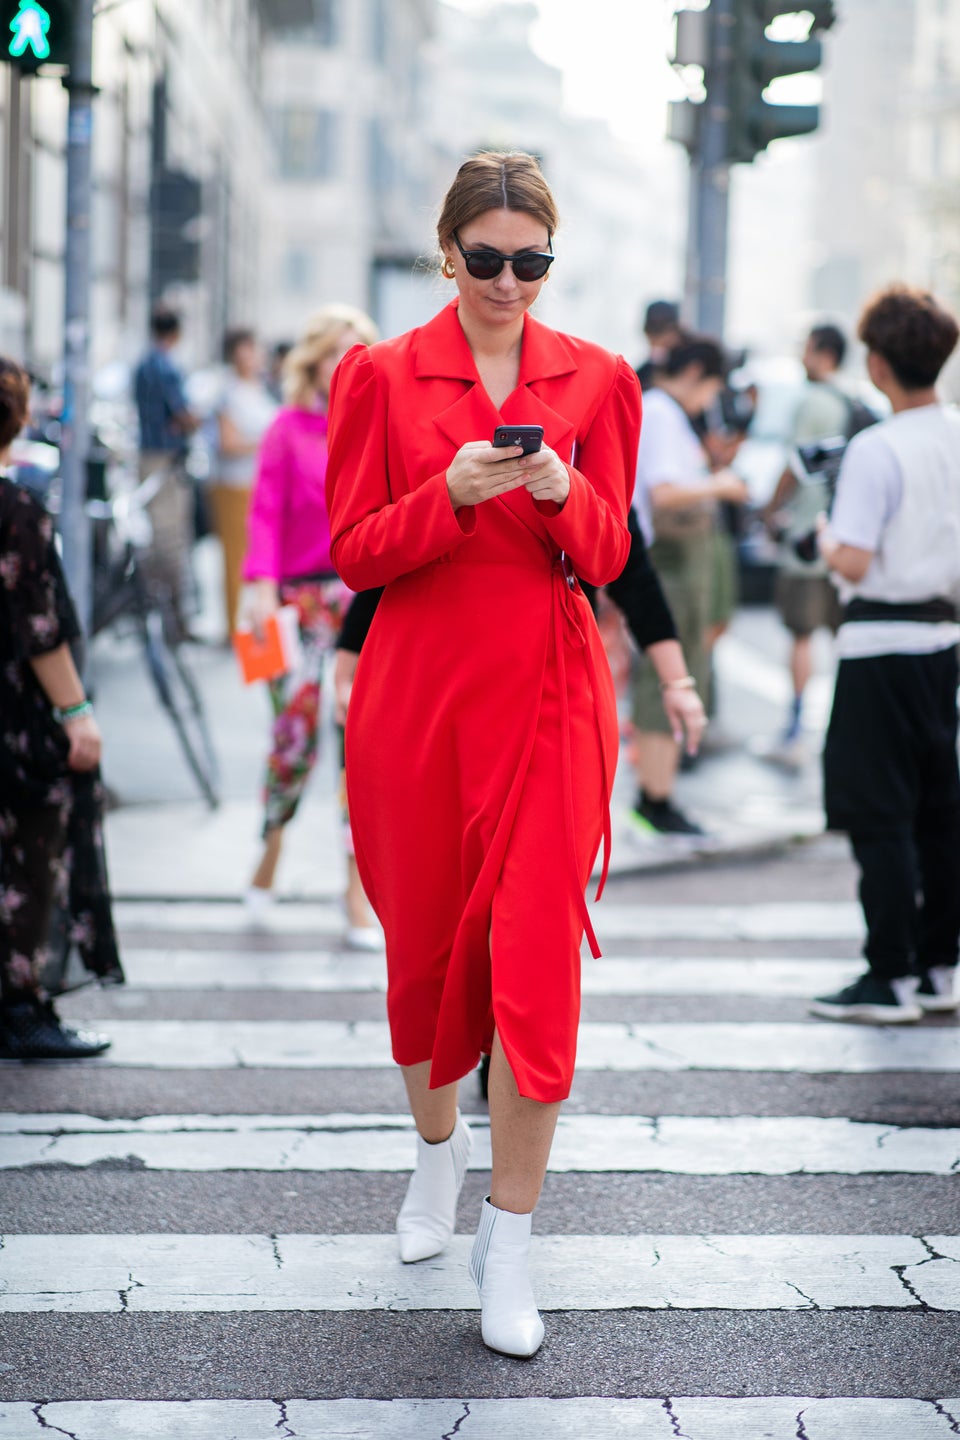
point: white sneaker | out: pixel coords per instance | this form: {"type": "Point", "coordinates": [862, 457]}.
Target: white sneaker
{"type": "Point", "coordinates": [258, 904]}
{"type": "Point", "coordinates": [364, 937]}
{"type": "Point", "coordinates": [937, 991]}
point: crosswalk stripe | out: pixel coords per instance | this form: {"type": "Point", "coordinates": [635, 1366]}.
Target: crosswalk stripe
{"type": "Point", "coordinates": [328, 1044]}
{"type": "Point", "coordinates": [181, 1273]}
{"type": "Point", "coordinates": [778, 920]}
{"type": "Point", "coordinates": [675, 1144]}
{"type": "Point", "coordinates": [695, 1418]}
{"type": "Point", "coordinates": [157, 969]}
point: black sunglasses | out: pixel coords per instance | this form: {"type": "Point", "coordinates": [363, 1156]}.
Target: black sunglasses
{"type": "Point", "coordinates": [486, 264]}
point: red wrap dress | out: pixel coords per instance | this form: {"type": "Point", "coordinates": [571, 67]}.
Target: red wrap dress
{"type": "Point", "coordinates": [482, 731]}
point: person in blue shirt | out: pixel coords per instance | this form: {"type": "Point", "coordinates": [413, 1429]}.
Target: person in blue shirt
{"type": "Point", "coordinates": [166, 424]}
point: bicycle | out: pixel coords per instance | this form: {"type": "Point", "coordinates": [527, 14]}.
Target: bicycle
{"type": "Point", "coordinates": [121, 539]}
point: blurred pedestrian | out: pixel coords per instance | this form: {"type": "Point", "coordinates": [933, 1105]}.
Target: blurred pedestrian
{"type": "Point", "coordinates": [244, 411]}
{"type": "Point", "coordinates": [288, 563]}
{"type": "Point", "coordinates": [638, 595]}
{"type": "Point", "coordinates": [805, 596]}
{"type": "Point", "coordinates": [723, 429]}
{"type": "Point", "coordinates": [677, 499]}
{"type": "Point", "coordinates": [278, 356]}
{"type": "Point", "coordinates": [483, 706]}
{"type": "Point", "coordinates": [661, 328]}
{"type": "Point", "coordinates": [166, 424]}
{"type": "Point", "coordinates": [890, 771]}
{"type": "Point", "coordinates": [51, 847]}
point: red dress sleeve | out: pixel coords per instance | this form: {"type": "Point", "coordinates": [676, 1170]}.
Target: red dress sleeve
{"type": "Point", "coordinates": [377, 536]}
{"type": "Point", "coordinates": [592, 525]}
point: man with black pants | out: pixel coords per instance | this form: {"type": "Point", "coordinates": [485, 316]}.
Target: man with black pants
{"type": "Point", "coordinates": [891, 778]}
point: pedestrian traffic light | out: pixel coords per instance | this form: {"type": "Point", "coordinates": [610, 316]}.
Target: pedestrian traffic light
{"type": "Point", "coordinates": [756, 60]}
{"type": "Point", "coordinates": [34, 34]}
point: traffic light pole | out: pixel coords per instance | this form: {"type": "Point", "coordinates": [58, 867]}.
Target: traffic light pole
{"type": "Point", "coordinates": [75, 430]}
{"type": "Point", "coordinates": [710, 180]}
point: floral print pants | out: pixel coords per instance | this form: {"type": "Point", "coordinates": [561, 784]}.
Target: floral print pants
{"type": "Point", "coordinates": [52, 869]}
{"type": "Point", "coordinates": [295, 697]}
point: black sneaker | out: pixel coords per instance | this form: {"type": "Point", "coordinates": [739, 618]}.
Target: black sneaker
{"type": "Point", "coordinates": [872, 1000]}
{"type": "Point", "coordinates": [32, 1030]}
{"type": "Point", "coordinates": [661, 817]}
{"type": "Point", "coordinates": [937, 990]}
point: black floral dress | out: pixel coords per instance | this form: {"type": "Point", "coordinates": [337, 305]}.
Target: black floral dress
{"type": "Point", "coordinates": [54, 893]}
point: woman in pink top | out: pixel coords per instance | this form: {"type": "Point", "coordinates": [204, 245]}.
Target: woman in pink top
{"type": "Point", "coordinates": [288, 563]}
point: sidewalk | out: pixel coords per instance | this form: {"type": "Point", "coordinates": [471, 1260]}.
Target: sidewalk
{"type": "Point", "coordinates": [163, 841]}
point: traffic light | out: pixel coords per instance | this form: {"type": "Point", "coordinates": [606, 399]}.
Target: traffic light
{"type": "Point", "coordinates": [755, 61]}
{"type": "Point", "coordinates": [176, 205]}
{"type": "Point", "coordinates": [34, 34]}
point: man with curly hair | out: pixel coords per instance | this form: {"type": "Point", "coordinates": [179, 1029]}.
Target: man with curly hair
{"type": "Point", "coordinates": [891, 778]}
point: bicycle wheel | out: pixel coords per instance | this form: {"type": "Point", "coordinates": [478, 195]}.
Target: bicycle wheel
{"type": "Point", "coordinates": [181, 699]}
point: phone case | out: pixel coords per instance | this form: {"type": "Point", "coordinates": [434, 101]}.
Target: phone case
{"type": "Point", "coordinates": [529, 436]}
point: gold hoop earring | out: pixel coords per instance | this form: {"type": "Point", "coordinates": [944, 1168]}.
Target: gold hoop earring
{"type": "Point", "coordinates": [448, 268]}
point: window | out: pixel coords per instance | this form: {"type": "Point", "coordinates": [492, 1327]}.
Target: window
{"type": "Point", "coordinates": [305, 143]}
{"type": "Point", "coordinates": [297, 277]}
{"type": "Point", "coordinates": [307, 22]}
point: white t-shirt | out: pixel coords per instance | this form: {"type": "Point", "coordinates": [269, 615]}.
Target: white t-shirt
{"type": "Point", "coordinates": [251, 407]}
{"type": "Point", "coordinates": [915, 453]}
{"type": "Point", "coordinates": [670, 454]}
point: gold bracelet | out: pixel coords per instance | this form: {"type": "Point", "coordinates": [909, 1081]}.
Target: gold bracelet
{"type": "Point", "coordinates": [685, 682]}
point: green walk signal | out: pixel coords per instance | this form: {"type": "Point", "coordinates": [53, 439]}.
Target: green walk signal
{"type": "Point", "coordinates": [756, 60]}
{"type": "Point", "coordinates": [39, 34]}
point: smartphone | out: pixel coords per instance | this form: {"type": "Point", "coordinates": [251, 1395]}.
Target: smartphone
{"type": "Point", "coordinates": [529, 436]}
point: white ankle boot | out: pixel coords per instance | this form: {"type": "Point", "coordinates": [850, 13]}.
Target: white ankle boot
{"type": "Point", "coordinates": [509, 1319]}
{"type": "Point", "coordinates": [429, 1211]}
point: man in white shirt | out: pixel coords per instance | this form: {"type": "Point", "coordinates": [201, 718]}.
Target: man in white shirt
{"type": "Point", "coordinates": [676, 501]}
{"type": "Point", "coordinates": [891, 778]}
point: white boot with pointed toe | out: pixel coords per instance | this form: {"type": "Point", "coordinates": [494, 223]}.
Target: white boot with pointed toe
{"type": "Point", "coordinates": [509, 1319]}
{"type": "Point", "coordinates": [429, 1211]}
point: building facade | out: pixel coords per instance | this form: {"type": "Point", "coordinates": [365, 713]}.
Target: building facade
{"type": "Point", "coordinates": [350, 184]}
{"type": "Point", "coordinates": [180, 147]}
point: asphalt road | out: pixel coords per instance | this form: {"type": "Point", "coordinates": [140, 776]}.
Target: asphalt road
{"type": "Point", "coordinates": [887, 1348]}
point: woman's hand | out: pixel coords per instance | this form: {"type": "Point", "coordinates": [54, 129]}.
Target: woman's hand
{"type": "Point", "coordinates": [86, 743]}
{"type": "Point", "coordinates": [344, 669]}
{"type": "Point", "coordinates": [260, 600]}
{"type": "Point", "coordinates": [547, 477]}
{"type": "Point", "coordinates": [684, 710]}
{"type": "Point", "coordinates": [479, 472]}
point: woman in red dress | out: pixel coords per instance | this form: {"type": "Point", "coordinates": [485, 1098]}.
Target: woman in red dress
{"type": "Point", "coordinates": [482, 717]}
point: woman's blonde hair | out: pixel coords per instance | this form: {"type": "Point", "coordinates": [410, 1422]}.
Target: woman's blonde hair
{"type": "Point", "coordinates": [320, 339]}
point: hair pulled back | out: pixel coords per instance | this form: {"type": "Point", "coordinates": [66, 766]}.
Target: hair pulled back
{"type": "Point", "coordinates": [496, 180]}
{"type": "Point", "coordinates": [14, 400]}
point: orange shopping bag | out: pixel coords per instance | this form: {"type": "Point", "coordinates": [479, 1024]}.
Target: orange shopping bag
{"type": "Point", "coordinates": [277, 653]}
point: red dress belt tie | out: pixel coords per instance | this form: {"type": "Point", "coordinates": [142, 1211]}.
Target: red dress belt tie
{"type": "Point", "coordinates": [567, 630]}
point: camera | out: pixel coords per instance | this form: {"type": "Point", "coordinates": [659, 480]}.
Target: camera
{"type": "Point", "coordinates": [819, 463]}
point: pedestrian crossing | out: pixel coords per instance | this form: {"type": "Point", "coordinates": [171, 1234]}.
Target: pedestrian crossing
{"type": "Point", "coordinates": [706, 1045]}
{"type": "Point", "coordinates": [139, 1273]}
{"type": "Point", "coordinates": [587, 1144]}
{"type": "Point", "coordinates": [786, 1324]}
{"type": "Point", "coordinates": [518, 1419]}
